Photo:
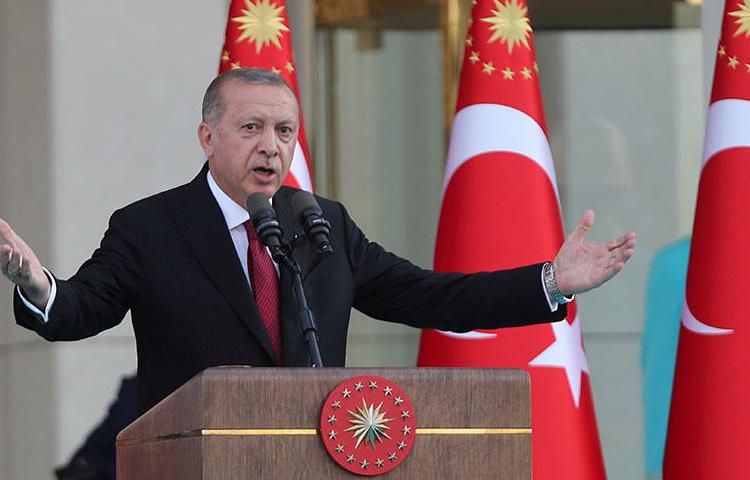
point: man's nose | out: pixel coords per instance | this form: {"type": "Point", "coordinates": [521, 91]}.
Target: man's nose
{"type": "Point", "coordinates": [267, 143]}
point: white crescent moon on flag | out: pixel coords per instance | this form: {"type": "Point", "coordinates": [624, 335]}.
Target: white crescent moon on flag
{"type": "Point", "coordinates": [488, 127]}
{"type": "Point", "coordinates": [726, 127]}
{"type": "Point", "coordinates": [299, 169]}
{"type": "Point", "coordinates": [468, 335]}
{"type": "Point", "coordinates": [696, 326]}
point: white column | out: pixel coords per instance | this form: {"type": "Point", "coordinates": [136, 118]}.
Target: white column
{"type": "Point", "coordinates": [100, 104]}
{"type": "Point", "coordinates": [27, 365]}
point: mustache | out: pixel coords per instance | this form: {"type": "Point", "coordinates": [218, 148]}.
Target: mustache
{"type": "Point", "coordinates": [268, 164]}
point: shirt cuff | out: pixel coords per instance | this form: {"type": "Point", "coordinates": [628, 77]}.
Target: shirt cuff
{"type": "Point", "coordinates": [44, 316]}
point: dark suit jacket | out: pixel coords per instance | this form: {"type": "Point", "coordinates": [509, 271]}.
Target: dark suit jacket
{"type": "Point", "coordinates": [169, 259]}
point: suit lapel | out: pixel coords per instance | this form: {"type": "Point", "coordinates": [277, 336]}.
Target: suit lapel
{"type": "Point", "coordinates": [203, 227]}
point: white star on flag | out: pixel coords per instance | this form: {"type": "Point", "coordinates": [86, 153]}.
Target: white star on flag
{"type": "Point", "coordinates": [566, 352]}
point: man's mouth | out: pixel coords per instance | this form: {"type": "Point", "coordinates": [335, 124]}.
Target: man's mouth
{"type": "Point", "coordinates": [263, 171]}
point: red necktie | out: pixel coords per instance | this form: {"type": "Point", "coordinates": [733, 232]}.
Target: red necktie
{"type": "Point", "coordinates": [265, 284]}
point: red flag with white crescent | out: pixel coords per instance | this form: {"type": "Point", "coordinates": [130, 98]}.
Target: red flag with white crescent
{"type": "Point", "coordinates": [258, 35]}
{"type": "Point", "coordinates": [500, 210]}
{"type": "Point", "coordinates": [709, 418]}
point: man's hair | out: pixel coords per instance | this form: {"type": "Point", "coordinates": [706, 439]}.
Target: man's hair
{"type": "Point", "coordinates": [213, 101]}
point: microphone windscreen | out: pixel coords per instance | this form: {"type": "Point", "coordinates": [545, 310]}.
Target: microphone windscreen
{"type": "Point", "coordinates": [304, 203]}
{"type": "Point", "coordinates": [258, 203]}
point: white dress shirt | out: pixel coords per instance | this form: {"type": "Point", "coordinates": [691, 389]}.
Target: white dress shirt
{"type": "Point", "coordinates": [235, 216]}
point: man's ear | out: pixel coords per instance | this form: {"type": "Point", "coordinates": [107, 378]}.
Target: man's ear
{"type": "Point", "coordinates": [206, 137]}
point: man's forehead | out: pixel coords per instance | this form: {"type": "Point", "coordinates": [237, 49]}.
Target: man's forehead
{"type": "Point", "coordinates": [245, 97]}
{"type": "Point", "coordinates": [263, 92]}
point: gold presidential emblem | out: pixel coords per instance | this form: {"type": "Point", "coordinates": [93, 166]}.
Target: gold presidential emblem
{"type": "Point", "coordinates": [509, 23]}
{"type": "Point", "coordinates": [261, 23]}
{"type": "Point", "coordinates": [743, 18]}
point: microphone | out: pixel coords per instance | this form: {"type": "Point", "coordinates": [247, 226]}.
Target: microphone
{"type": "Point", "coordinates": [310, 215]}
{"type": "Point", "coordinates": [268, 231]}
{"type": "Point", "coordinates": [264, 220]}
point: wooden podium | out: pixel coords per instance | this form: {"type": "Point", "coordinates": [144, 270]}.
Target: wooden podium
{"type": "Point", "coordinates": [242, 422]}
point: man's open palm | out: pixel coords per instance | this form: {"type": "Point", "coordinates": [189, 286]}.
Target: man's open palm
{"type": "Point", "coordinates": [581, 265]}
{"type": "Point", "coordinates": [20, 265]}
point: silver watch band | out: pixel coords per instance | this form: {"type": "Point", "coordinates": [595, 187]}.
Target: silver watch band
{"type": "Point", "coordinates": [550, 283]}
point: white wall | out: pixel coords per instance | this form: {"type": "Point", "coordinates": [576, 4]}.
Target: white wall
{"type": "Point", "coordinates": [100, 104]}
{"type": "Point", "coordinates": [390, 150]}
{"type": "Point", "coordinates": [625, 112]}
{"type": "Point", "coordinates": [27, 422]}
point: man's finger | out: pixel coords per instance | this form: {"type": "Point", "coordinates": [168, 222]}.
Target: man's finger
{"type": "Point", "coordinates": [10, 262]}
{"type": "Point", "coordinates": [14, 265]}
{"type": "Point", "coordinates": [583, 227]}
{"type": "Point", "coordinates": [631, 240]}
{"type": "Point", "coordinates": [627, 240]}
{"type": "Point", "coordinates": [5, 252]}
{"type": "Point", "coordinates": [613, 255]}
{"type": "Point", "coordinates": [622, 255]}
{"type": "Point", "coordinates": [617, 243]}
{"type": "Point", "coordinates": [6, 233]}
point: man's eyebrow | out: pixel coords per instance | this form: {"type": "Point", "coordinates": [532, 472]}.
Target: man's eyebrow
{"type": "Point", "coordinates": [242, 119]}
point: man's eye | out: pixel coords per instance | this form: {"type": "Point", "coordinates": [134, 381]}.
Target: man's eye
{"type": "Point", "coordinates": [251, 127]}
{"type": "Point", "coordinates": [285, 130]}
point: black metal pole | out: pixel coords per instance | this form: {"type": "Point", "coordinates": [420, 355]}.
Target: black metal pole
{"type": "Point", "coordinates": [309, 330]}
{"type": "Point", "coordinates": [305, 315]}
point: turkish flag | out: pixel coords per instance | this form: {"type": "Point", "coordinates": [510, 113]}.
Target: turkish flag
{"type": "Point", "coordinates": [709, 418]}
{"type": "Point", "coordinates": [500, 210]}
{"type": "Point", "coordinates": [258, 35]}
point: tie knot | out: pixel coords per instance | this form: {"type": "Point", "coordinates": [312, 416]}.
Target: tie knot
{"type": "Point", "coordinates": [250, 230]}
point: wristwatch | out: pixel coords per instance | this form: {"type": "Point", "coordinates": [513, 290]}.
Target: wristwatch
{"type": "Point", "coordinates": [550, 283]}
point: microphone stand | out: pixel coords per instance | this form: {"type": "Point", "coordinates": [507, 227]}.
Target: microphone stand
{"type": "Point", "coordinates": [305, 315]}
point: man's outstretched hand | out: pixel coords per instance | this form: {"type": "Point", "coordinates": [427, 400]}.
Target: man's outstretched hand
{"type": "Point", "coordinates": [19, 263]}
{"type": "Point", "coordinates": [581, 265]}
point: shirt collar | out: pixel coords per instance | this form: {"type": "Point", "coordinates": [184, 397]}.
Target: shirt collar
{"type": "Point", "coordinates": [234, 214]}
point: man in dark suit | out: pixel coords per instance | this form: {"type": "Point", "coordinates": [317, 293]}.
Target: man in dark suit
{"type": "Point", "coordinates": [202, 292]}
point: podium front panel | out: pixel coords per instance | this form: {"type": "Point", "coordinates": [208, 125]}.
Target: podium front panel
{"type": "Point", "coordinates": [241, 422]}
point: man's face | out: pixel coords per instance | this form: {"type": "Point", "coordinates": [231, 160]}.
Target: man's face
{"type": "Point", "coordinates": [250, 148]}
